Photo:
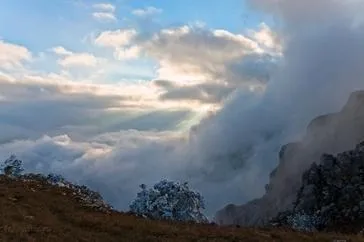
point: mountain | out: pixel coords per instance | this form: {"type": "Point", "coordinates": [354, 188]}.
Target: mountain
{"type": "Point", "coordinates": [34, 210]}
{"type": "Point", "coordinates": [331, 194]}
{"type": "Point", "coordinates": [331, 133]}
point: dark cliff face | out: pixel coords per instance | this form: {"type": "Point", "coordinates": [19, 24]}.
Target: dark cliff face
{"type": "Point", "coordinates": [331, 133]}
{"type": "Point", "coordinates": [332, 193]}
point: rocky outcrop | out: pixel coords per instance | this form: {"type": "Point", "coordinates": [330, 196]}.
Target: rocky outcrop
{"type": "Point", "coordinates": [331, 133]}
{"type": "Point", "coordinates": [332, 193]}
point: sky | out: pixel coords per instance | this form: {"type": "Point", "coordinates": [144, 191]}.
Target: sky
{"type": "Point", "coordinates": [71, 40]}
{"type": "Point", "coordinates": [118, 93]}
{"type": "Point", "coordinates": [72, 24]}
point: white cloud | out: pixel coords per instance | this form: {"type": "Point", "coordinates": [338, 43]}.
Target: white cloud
{"type": "Point", "coordinates": [129, 96]}
{"type": "Point", "coordinates": [12, 55]}
{"type": "Point", "coordinates": [268, 39]}
{"type": "Point", "coordinates": [81, 59]}
{"type": "Point", "coordinates": [121, 41]}
{"type": "Point", "coordinates": [107, 159]}
{"type": "Point", "coordinates": [132, 52]}
{"type": "Point", "coordinates": [103, 16]}
{"type": "Point", "coordinates": [6, 77]}
{"type": "Point", "coordinates": [118, 38]}
{"type": "Point", "coordinates": [80, 109]}
{"type": "Point", "coordinates": [148, 11]}
{"type": "Point", "coordinates": [107, 7]}
{"type": "Point", "coordinates": [203, 55]}
{"type": "Point", "coordinates": [71, 59]}
{"type": "Point", "coordinates": [59, 50]}
{"type": "Point", "coordinates": [105, 12]}
{"type": "Point", "coordinates": [191, 55]}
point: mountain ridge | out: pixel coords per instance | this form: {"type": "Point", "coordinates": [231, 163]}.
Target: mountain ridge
{"type": "Point", "coordinates": [330, 133]}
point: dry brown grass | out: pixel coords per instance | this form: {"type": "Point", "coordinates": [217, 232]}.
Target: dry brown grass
{"type": "Point", "coordinates": [35, 211]}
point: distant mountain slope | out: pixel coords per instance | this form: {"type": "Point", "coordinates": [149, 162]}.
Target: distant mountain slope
{"type": "Point", "coordinates": [32, 210]}
{"type": "Point", "coordinates": [331, 133]}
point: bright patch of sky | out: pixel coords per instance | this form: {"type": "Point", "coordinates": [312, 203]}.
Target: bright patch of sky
{"type": "Point", "coordinates": [40, 25]}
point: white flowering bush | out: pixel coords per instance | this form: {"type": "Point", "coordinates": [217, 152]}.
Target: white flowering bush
{"type": "Point", "coordinates": [169, 200]}
{"type": "Point", "coordinates": [304, 222]}
{"type": "Point", "coordinates": [12, 167]}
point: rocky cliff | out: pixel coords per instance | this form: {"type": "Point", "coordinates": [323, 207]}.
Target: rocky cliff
{"type": "Point", "coordinates": [331, 194]}
{"type": "Point", "coordinates": [331, 133]}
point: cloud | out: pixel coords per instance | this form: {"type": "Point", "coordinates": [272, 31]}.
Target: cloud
{"type": "Point", "coordinates": [59, 50]}
{"type": "Point", "coordinates": [321, 52]}
{"type": "Point", "coordinates": [189, 51]}
{"type": "Point", "coordinates": [107, 159]}
{"type": "Point", "coordinates": [80, 59]}
{"type": "Point", "coordinates": [12, 55]}
{"type": "Point", "coordinates": [71, 59]}
{"type": "Point", "coordinates": [192, 55]}
{"type": "Point", "coordinates": [211, 64]}
{"type": "Point", "coordinates": [102, 16]}
{"type": "Point", "coordinates": [267, 38]}
{"type": "Point", "coordinates": [105, 12]}
{"type": "Point", "coordinates": [205, 93]}
{"type": "Point", "coordinates": [145, 12]}
{"type": "Point", "coordinates": [121, 41]}
{"type": "Point", "coordinates": [79, 109]}
{"type": "Point", "coordinates": [116, 39]}
{"type": "Point", "coordinates": [200, 54]}
{"type": "Point", "coordinates": [107, 7]}
{"type": "Point", "coordinates": [132, 52]}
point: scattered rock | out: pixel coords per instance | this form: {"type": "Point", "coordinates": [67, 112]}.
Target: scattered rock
{"type": "Point", "coordinates": [14, 199]}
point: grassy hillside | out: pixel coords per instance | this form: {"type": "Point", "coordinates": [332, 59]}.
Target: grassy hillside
{"type": "Point", "coordinates": [36, 211]}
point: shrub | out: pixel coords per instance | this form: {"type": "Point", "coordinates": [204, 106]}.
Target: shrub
{"type": "Point", "coordinates": [169, 200]}
{"type": "Point", "coordinates": [12, 167]}
{"type": "Point", "coordinates": [56, 179]}
{"type": "Point", "coordinates": [304, 222]}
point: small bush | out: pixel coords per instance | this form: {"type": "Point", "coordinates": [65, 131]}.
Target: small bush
{"type": "Point", "coordinates": [12, 167]}
{"type": "Point", "coordinates": [169, 200]}
{"type": "Point", "coordinates": [304, 222]}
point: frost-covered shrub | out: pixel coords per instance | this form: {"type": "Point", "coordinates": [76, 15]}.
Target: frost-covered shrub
{"type": "Point", "coordinates": [169, 200]}
{"type": "Point", "coordinates": [56, 179]}
{"type": "Point", "coordinates": [12, 167]}
{"type": "Point", "coordinates": [89, 197]}
{"type": "Point", "coordinates": [304, 222]}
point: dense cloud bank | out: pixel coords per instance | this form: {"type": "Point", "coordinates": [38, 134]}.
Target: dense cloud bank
{"type": "Point", "coordinates": [322, 53]}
